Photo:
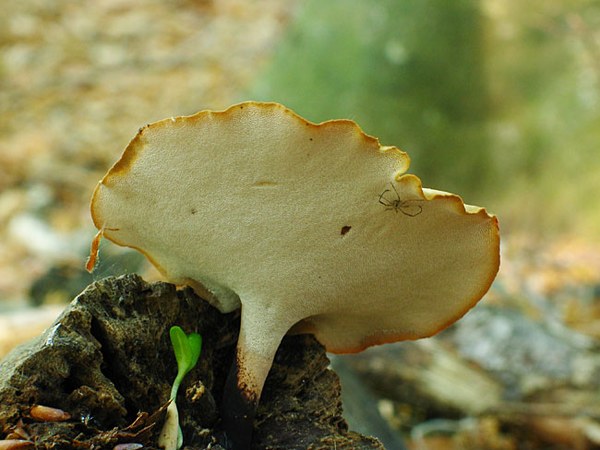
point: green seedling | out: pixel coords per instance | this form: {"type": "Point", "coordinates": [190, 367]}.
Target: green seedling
{"type": "Point", "coordinates": [187, 351]}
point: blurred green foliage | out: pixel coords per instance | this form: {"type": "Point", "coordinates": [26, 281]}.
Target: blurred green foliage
{"type": "Point", "coordinates": [409, 72]}
{"type": "Point", "coordinates": [496, 100]}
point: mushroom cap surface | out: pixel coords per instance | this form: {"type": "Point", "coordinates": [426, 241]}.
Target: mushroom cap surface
{"type": "Point", "coordinates": [314, 227]}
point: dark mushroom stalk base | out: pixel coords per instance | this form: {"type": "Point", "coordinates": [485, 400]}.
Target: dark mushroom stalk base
{"type": "Point", "coordinates": [238, 411]}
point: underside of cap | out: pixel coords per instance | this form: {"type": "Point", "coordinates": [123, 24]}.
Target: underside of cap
{"type": "Point", "coordinates": [315, 224]}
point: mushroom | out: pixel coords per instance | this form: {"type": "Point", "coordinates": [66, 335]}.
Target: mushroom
{"type": "Point", "coordinates": [309, 228]}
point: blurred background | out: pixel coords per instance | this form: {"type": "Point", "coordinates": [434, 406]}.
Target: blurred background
{"type": "Point", "coordinates": [497, 100]}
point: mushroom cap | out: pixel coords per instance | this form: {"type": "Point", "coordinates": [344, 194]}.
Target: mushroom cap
{"type": "Point", "coordinates": [310, 226]}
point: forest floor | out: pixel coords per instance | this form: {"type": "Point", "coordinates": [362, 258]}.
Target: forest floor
{"type": "Point", "coordinates": [75, 87]}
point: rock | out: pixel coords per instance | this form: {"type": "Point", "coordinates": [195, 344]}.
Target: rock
{"type": "Point", "coordinates": [107, 361]}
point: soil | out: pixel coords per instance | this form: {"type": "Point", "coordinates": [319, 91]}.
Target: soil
{"type": "Point", "coordinates": [107, 362]}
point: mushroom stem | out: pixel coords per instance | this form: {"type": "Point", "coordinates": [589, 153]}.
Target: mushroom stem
{"type": "Point", "coordinates": [256, 350]}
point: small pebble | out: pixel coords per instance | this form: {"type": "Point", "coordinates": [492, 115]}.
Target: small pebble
{"type": "Point", "coordinates": [132, 446]}
{"type": "Point", "coordinates": [48, 414]}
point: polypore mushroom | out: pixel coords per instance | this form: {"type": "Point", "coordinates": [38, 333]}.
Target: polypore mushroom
{"type": "Point", "coordinates": [307, 227]}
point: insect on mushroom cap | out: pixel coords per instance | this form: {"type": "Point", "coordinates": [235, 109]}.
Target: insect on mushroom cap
{"type": "Point", "coordinates": [314, 227]}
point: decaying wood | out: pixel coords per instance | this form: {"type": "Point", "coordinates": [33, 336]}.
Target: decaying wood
{"type": "Point", "coordinates": [108, 357]}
